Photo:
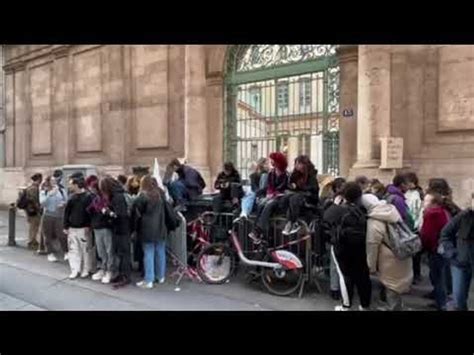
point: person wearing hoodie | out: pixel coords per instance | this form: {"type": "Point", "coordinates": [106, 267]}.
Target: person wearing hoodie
{"type": "Point", "coordinates": [303, 188]}
{"type": "Point", "coordinates": [395, 275]}
{"type": "Point", "coordinates": [396, 196]}
{"type": "Point", "coordinates": [102, 228]}
{"type": "Point", "coordinates": [277, 183]}
{"type": "Point", "coordinates": [435, 217]}
{"type": "Point", "coordinates": [229, 185]}
{"type": "Point", "coordinates": [457, 246]}
{"type": "Point", "coordinates": [117, 211]}
{"type": "Point", "coordinates": [53, 200]}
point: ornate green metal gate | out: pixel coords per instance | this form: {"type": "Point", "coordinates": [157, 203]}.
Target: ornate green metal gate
{"type": "Point", "coordinates": [285, 98]}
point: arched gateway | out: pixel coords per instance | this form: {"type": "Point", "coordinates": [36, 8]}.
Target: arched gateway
{"type": "Point", "coordinates": [282, 97]}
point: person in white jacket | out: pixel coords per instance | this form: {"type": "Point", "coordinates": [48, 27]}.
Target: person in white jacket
{"type": "Point", "coordinates": [395, 275]}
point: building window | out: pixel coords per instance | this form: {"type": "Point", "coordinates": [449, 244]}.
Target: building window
{"type": "Point", "coordinates": [256, 98]}
{"type": "Point", "coordinates": [305, 93]}
{"type": "Point", "coordinates": [282, 97]}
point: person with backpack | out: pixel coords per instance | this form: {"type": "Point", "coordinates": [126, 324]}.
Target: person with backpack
{"type": "Point", "coordinates": [395, 274]}
{"type": "Point", "coordinates": [148, 212]}
{"type": "Point", "coordinates": [77, 228]}
{"type": "Point", "coordinates": [53, 201]}
{"type": "Point", "coordinates": [457, 246]}
{"type": "Point", "coordinates": [102, 228]}
{"type": "Point", "coordinates": [349, 251]}
{"type": "Point", "coordinates": [396, 196]}
{"type": "Point", "coordinates": [29, 201]}
{"type": "Point", "coordinates": [435, 217]}
{"type": "Point", "coordinates": [334, 198]}
{"type": "Point", "coordinates": [117, 212]}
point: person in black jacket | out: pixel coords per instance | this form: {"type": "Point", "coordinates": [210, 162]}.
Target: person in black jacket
{"type": "Point", "coordinates": [277, 183]}
{"type": "Point", "coordinates": [230, 189]}
{"type": "Point", "coordinates": [117, 211]}
{"type": "Point", "coordinates": [303, 188]}
{"type": "Point", "coordinates": [102, 228]}
{"type": "Point", "coordinates": [457, 245]}
{"type": "Point", "coordinates": [148, 210]}
{"type": "Point", "coordinates": [77, 227]}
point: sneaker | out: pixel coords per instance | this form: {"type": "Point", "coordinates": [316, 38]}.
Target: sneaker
{"type": "Point", "coordinates": [107, 278]}
{"type": "Point", "coordinates": [73, 275]}
{"type": "Point", "coordinates": [254, 237]}
{"type": "Point", "coordinates": [98, 275]}
{"type": "Point", "coordinates": [287, 229]}
{"type": "Point", "coordinates": [52, 258]}
{"type": "Point", "coordinates": [161, 281]}
{"type": "Point", "coordinates": [66, 257]}
{"type": "Point", "coordinates": [335, 295]}
{"type": "Point", "coordinates": [241, 218]}
{"type": "Point", "coordinates": [364, 309]}
{"type": "Point", "coordinates": [295, 228]}
{"type": "Point", "coordinates": [144, 284]}
{"type": "Point", "coordinates": [342, 308]}
{"type": "Point", "coordinates": [85, 275]}
{"type": "Point", "coordinates": [41, 252]}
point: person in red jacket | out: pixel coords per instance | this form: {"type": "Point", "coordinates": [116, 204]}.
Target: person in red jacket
{"type": "Point", "coordinates": [435, 217]}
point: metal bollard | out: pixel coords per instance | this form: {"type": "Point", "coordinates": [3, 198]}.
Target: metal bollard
{"type": "Point", "coordinates": [11, 225]}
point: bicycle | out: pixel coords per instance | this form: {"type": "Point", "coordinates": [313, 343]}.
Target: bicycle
{"type": "Point", "coordinates": [281, 272]}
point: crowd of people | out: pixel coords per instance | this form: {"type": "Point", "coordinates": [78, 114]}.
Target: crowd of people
{"type": "Point", "coordinates": [93, 223]}
{"type": "Point", "coordinates": [354, 220]}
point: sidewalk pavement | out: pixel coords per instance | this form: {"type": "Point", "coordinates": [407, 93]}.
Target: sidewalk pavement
{"type": "Point", "coordinates": [29, 281]}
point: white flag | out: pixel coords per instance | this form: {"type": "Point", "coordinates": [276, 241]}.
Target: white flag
{"type": "Point", "coordinates": [157, 176]}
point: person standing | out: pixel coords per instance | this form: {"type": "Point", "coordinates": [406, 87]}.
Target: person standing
{"type": "Point", "coordinates": [148, 210]}
{"type": "Point", "coordinates": [395, 275]}
{"type": "Point", "coordinates": [396, 196]}
{"type": "Point", "coordinates": [77, 228]}
{"type": "Point", "coordinates": [53, 200]}
{"type": "Point", "coordinates": [457, 246]}
{"type": "Point", "coordinates": [33, 210]}
{"type": "Point", "coordinates": [102, 228]}
{"type": "Point", "coordinates": [349, 239]}
{"type": "Point", "coordinates": [414, 197]}
{"type": "Point", "coordinates": [435, 217]}
{"type": "Point", "coordinates": [117, 211]}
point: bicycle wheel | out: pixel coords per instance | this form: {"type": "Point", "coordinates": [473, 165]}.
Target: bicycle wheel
{"type": "Point", "coordinates": [216, 263]}
{"type": "Point", "coordinates": [281, 282]}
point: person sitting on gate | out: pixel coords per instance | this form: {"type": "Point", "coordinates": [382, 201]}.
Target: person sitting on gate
{"type": "Point", "coordinates": [258, 187]}
{"type": "Point", "coordinates": [276, 187]}
{"type": "Point", "coordinates": [303, 189]}
{"type": "Point", "coordinates": [229, 184]}
{"type": "Point", "coordinates": [189, 184]}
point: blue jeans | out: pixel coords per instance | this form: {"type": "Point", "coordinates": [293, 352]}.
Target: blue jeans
{"type": "Point", "coordinates": [178, 191]}
{"type": "Point", "coordinates": [438, 276]}
{"type": "Point", "coordinates": [461, 283]}
{"type": "Point", "coordinates": [247, 203]}
{"type": "Point", "coordinates": [155, 260]}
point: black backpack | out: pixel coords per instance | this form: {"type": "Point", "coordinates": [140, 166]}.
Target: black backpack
{"type": "Point", "coordinates": [352, 228]}
{"type": "Point", "coordinates": [22, 201]}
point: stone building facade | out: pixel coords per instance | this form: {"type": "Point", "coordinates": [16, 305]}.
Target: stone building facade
{"type": "Point", "coordinates": [118, 106]}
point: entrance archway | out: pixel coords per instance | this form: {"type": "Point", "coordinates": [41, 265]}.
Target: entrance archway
{"type": "Point", "coordinates": [284, 98]}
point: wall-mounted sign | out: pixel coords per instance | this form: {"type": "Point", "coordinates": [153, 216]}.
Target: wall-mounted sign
{"type": "Point", "coordinates": [348, 113]}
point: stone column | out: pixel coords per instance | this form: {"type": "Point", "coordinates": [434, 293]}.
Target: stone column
{"type": "Point", "coordinates": [195, 111]}
{"type": "Point", "coordinates": [373, 97]}
{"type": "Point", "coordinates": [348, 55]}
